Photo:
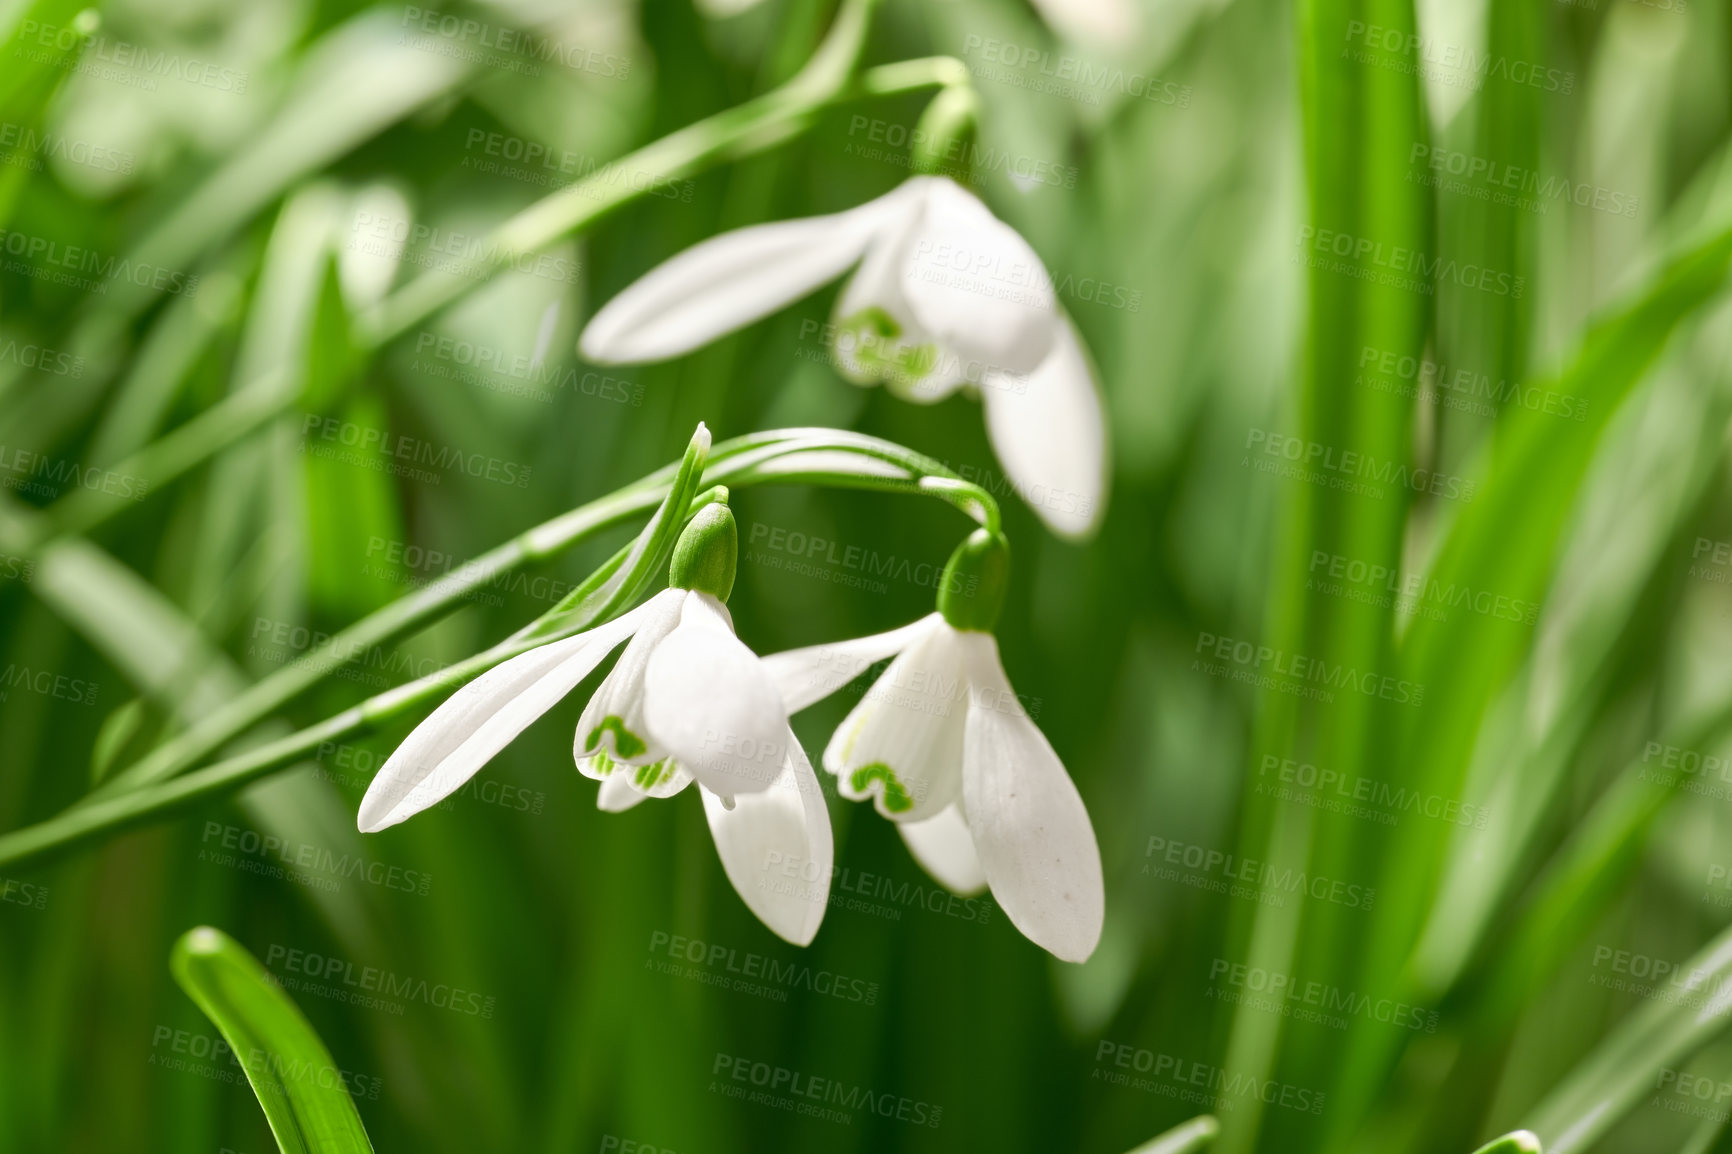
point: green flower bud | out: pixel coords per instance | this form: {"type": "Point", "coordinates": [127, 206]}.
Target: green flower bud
{"type": "Point", "coordinates": [945, 134]}
{"type": "Point", "coordinates": [706, 553]}
{"type": "Point", "coordinates": [971, 593]}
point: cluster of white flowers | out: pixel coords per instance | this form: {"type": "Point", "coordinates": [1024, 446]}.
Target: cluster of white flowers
{"type": "Point", "coordinates": [946, 297]}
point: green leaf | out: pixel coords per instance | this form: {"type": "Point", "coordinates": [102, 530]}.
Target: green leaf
{"type": "Point", "coordinates": [294, 1076]}
{"type": "Point", "coordinates": [629, 573]}
{"type": "Point", "coordinates": [1518, 1142]}
{"type": "Point", "coordinates": [1624, 1068]}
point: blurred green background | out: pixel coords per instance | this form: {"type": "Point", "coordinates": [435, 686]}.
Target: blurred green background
{"type": "Point", "coordinates": [1482, 243]}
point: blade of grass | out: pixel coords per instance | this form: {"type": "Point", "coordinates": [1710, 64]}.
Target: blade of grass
{"type": "Point", "coordinates": [296, 1080]}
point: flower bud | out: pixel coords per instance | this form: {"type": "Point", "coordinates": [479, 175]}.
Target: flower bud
{"type": "Point", "coordinates": [706, 553]}
{"type": "Point", "coordinates": [971, 593]}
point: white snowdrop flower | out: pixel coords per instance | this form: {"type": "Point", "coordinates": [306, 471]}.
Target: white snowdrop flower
{"type": "Point", "coordinates": [943, 747]}
{"type": "Point", "coordinates": [687, 701]}
{"type": "Point", "coordinates": [946, 296]}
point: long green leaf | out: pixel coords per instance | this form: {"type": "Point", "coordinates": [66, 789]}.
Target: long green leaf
{"type": "Point", "coordinates": [297, 1082]}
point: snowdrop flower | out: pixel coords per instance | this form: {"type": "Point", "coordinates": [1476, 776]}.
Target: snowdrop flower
{"type": "Point", "coordinates": [687, 701]}
{"type": "Point", "coordinates": [946, 296]}
{"type": "Point", "coordinates": [942, 747]}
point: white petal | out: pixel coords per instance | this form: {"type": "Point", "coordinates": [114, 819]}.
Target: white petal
{"type": "Point", "coordinates": [776, 848]}
{"type": "Point", "coordinates": [945, 849]}
{"type": "Point", "coordinates": [902, 745]}
{"type": "Point", "coordinates": [976, 285]}
{"type": "Point", "coordinates": [710, 703]}
{"type": "Point", "coordinates": [616, 794]}
{"type": "Point", "coordinates": [1049, 433]}
{"type": "Point", "coordinates": [808, 675]}
{"type": "Point", "coordinates": [1030, 827]}
{"type": "Point", "coordinates": [481, 719]}
{"type": "Point", "coordinates": [726, 283]}
{"type": "Point", "coordinates": [613, 720]}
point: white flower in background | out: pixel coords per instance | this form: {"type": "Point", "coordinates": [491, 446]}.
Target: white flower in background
{"type": "Point", "coordinates": [943, 747]}
{"type": "Point", "coordinates": [946, 296]}
{"type": "Point", "coordinates": [686, 701]}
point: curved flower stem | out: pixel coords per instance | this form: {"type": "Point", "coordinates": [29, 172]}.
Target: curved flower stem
{"type": "Point", "coordinates": [153, 793]}
{"type": "Point", "coordinates": [784, 456]}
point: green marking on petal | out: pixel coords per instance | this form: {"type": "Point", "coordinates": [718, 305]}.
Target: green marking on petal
{"type": "Point", "coordinates": [654, 774]}
{"type": "Point", "coordinates": [896, 798]}
{"type": "Point", "coordinates": [625, 742]}
{"type": "Point", "coordinates": [604, 764]}
{"type": "Point", "coordinates": [880, 353]}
